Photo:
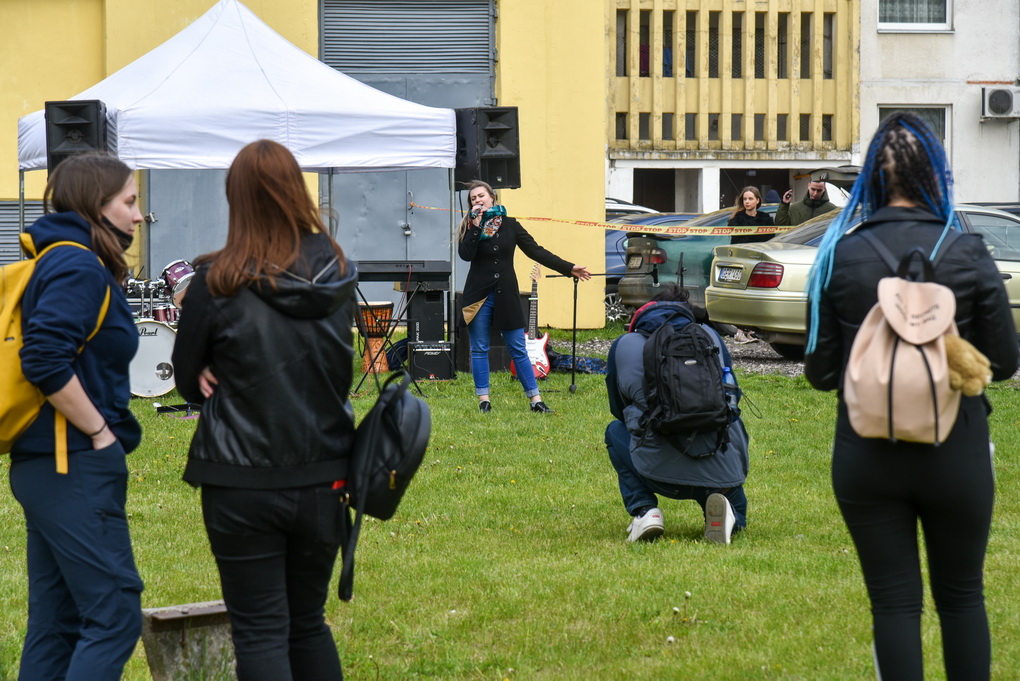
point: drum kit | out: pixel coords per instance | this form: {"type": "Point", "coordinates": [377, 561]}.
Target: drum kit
{"type": "Point", "coordinates": [155, 305]}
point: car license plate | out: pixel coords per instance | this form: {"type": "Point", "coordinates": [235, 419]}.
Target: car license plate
{"type": "Point", "coordinates": [729, 274]}
{"type": "Point", "coordinates": [634, 261]}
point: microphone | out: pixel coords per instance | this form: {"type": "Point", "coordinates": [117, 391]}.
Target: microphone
{"type": "Point", "coordinates": [476, 211]}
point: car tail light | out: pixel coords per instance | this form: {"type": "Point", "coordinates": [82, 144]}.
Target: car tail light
{"type": "Point", "coordinates": [657, 256]}
{"type": "Point", "coordinates": [766, 275]}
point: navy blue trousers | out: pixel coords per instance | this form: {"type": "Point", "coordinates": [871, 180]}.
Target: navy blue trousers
{"type": "Point", "coordinates": [275, 550]}
{"type": "Point", "coordinates": [84, 592]}
{"type": "Point", "coordinates": [639, 492]}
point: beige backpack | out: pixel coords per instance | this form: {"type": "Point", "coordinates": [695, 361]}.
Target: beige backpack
{"type": "Point", "coordinates": [896, 385]}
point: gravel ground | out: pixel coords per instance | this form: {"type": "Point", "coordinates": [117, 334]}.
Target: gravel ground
{"type": "Point", "coordinates": [757, 357]}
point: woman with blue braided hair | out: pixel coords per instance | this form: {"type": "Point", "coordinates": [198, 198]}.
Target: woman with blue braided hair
{"type": "Point", "coordinates": [884, 487]}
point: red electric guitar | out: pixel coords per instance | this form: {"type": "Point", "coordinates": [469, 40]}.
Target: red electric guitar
{"type": "Point", "coordinates": [536, 346]}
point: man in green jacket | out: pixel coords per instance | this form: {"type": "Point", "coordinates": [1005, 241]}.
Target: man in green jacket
{"type": "Point", "coordinates": [814, 204]}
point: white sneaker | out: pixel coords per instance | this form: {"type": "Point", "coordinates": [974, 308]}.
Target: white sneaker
{"type": "Point", "coordinates": [719, 519]}
{"type": "Point", "coordinates": [646, 527]}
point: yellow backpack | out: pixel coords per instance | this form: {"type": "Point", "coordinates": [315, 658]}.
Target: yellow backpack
{"type": "Point", "coordinates": [20, 401]}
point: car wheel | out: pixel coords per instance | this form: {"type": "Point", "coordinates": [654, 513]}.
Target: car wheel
{"type": "Point", "coordinates": [789, 351]}
{"type": "Point", "coordinates": [615, 309]}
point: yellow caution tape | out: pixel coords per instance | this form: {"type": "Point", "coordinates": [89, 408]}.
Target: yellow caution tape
{"type": "Point", "coordinates": [672, 230]}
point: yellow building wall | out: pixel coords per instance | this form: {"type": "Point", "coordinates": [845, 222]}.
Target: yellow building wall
{"type": "Point", "coordinates": [54, 49]}
{"type": "Point", "coordinates": [552, 66]}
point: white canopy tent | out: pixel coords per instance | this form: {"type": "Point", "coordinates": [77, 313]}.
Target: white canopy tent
{"type": "Point", "coordinates": [229, 79]}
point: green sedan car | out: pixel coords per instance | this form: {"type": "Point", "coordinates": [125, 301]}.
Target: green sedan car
{"type": "Point", "coordinates": [762, 286]}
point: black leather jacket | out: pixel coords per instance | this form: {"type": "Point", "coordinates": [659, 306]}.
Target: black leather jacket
{"type": "Point", "coordinates": [280, 416]}
{"type": "Point", "coordinates": [983, 313]}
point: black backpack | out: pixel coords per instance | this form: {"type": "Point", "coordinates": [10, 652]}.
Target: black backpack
{"type": "Point", "coordinates": [389, 446]}
{"type": "Point", "coordinates": [684, 388]}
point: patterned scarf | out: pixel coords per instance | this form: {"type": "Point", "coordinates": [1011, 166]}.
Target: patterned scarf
{"type": "Point", "coordinates": [491, 221]}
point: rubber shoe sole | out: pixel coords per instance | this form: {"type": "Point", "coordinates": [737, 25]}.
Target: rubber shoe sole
{"type": "Point", "coordinates": [647, 527]}
{"type": "Point", "coordinates": [719, 519]}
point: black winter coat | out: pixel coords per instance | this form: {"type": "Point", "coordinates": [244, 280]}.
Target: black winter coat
{"type": "Point", "coordinates": [492, 269]}
{"type": "Point", "coordinates": [280, 416]}
{"type": "Point", "coordinates": [982, 308]}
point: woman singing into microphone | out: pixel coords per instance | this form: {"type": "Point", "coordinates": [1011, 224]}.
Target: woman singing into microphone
{"type": "Point", "coordinates": [488, 239]}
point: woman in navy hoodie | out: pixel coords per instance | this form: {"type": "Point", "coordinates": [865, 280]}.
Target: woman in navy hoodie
{"type": "Point", "coordinates": [84, 592]}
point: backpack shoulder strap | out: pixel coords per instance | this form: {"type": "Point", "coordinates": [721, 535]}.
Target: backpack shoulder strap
{"type": "Point", "coordinates": [880, 248]}
{"type": "Point", "coordinates": [951, 236]}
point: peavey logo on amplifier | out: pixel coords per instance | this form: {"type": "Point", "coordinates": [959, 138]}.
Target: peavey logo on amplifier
{"type": "Point", "coordinates": [432, 360]}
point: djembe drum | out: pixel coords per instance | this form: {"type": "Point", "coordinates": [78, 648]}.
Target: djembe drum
{"type": "Point", "coordinates": [374, 320]}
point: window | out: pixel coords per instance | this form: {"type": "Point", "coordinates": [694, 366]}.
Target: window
{"type": "Point", "coordinates": [782, 46]}
{"type": "Point", "coordinates": [828, 22]}
{"type": "Point", "coordinates": [735, 122]}
{"type": "Point", "coordinates": [691, 45]}
{"type": "Point", "coordinates": [805, 127]}
{"type": "Point", "coordinates": [621, 126]}
{"type": "Point", "coordinates": [805, 45]}
{"type": "Point", "coordinates": [621, 42]}
{"type": "Point", "coordinates": [644, 124]}
{"type": "Point", "coordinates": [667, 44]}
{"type": "Point", "coordinates": [1001, 235]}
{"type": "Point", "coordinates": [713, 44]}
{"type": "Point", "coordinates": [713, 126]}
{"type": "Point", "coordinates": [690, 126]}
{"type": "Point", "coordinates": [781, 123]}
{"type": "Point", "coordinates": [644, 42]}
{"type": "Point", "coordinates": [738, 35]}
{"type": "Point", "coordinates": [826, 127]}
{"type": "Point", "coordinates": [759, 127]}
{"type": "Point", "coordinates": [934, 116]}
{"type": "Point", "coordinates": [667, 126]}
{"type": "Point", "coordinates": [914, 15]}
{"type": "Point", "coordinates": [759, 44]}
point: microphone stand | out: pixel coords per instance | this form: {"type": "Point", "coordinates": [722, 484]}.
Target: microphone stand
{"type": "Point", "coordinates": [573, 347]}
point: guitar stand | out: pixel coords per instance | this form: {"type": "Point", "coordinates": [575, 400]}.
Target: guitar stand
{"type": "Point", "coordinates": [573, 347]}
{"type": "Point", "coordinates": [399, 313]}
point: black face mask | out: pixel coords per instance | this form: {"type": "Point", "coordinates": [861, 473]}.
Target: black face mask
{"type": "Point", "coordinates": [123, 239]}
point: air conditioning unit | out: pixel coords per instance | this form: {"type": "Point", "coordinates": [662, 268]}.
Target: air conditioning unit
{"type": "Point", "coordinates": [1000, 102]}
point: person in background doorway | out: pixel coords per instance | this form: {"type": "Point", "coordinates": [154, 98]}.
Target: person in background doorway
{"type": "Point", "coordinates": [265, 345]}
{"type": "Point", "coordinates": [84, 592]}
{"type": "Point", "coordinates": [814, 204]}
{"type": "Point", "coordinates": [488, 239]}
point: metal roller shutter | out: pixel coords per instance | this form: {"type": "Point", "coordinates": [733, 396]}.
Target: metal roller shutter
{"type": "Point", "coordinates": [408, 36]}
{"type": "Point", "coordinates": [10, 251]}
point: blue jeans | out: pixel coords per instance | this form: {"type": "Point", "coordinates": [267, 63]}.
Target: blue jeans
{"type": "Point", "coordinates": [275, 550]}
{"type": "Point", "coordinates": [84, 593]}
{"type": "Point", "coordinates": [478, 331]}
{"type": "Point", "coordinates": [639, 492]}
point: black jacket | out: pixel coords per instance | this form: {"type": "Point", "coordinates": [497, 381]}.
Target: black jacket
{"type": "Point", "coordinates": [280, 416]}
{"type": "Point", "coordinates": [653, 456]}
{"type": "Point", "coordinates": [492, 269]}
{"type": "Point", "coordinates": [982, 308]}
{"type": "Point", "coordinates": [742, 219]}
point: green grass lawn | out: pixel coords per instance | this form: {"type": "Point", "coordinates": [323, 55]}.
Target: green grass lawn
{"type": "Point", "coordinates": [508, 559]}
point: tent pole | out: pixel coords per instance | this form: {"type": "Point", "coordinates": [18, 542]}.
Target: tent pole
{"type": "Point", "coordinates": [451, 326]}
{"type": "Point", "coordinates": [329, 201]}
{"type": "Point", "coordinates": [21, 200]}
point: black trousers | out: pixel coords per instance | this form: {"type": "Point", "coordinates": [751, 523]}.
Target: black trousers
{"type": "Point", "coordinates": [275, 550]}
{"type": "Point", "coordinates": [884, 489]}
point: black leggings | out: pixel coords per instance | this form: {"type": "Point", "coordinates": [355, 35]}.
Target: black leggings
{"type": "Point", "coordinates": [883, 489]}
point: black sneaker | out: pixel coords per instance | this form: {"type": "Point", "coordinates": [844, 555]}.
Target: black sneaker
{"type": "Point", "coordinates": [540, 408]}
{"type": "Point", "coordinates": [485, 406]}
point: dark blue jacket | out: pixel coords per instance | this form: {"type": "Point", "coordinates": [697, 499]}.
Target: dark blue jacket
{"type": "Point", "coordinates": [59, 310]}
{"type": "Point", "coordinates": [653, 456]}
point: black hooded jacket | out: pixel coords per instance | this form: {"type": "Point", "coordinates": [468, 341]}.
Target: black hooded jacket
{"type": "Point", "coordinates": [280, 415]}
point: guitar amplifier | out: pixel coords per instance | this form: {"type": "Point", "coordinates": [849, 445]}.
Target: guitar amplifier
{"type": "Point", "coordinates": [431, 360]}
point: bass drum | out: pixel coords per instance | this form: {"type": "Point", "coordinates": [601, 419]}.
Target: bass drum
{"type": "Point", "coordinates": [151, 371]}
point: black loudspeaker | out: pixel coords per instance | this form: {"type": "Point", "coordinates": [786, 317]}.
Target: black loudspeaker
{"type": "Point", "coordinates": [74, 127]}
{"type": "Point", "coordinates": [431, 360]}
{"type": "Point", "coordinates": [426, 311]}
{"type": "Point", "coordinates": [488, 147]}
